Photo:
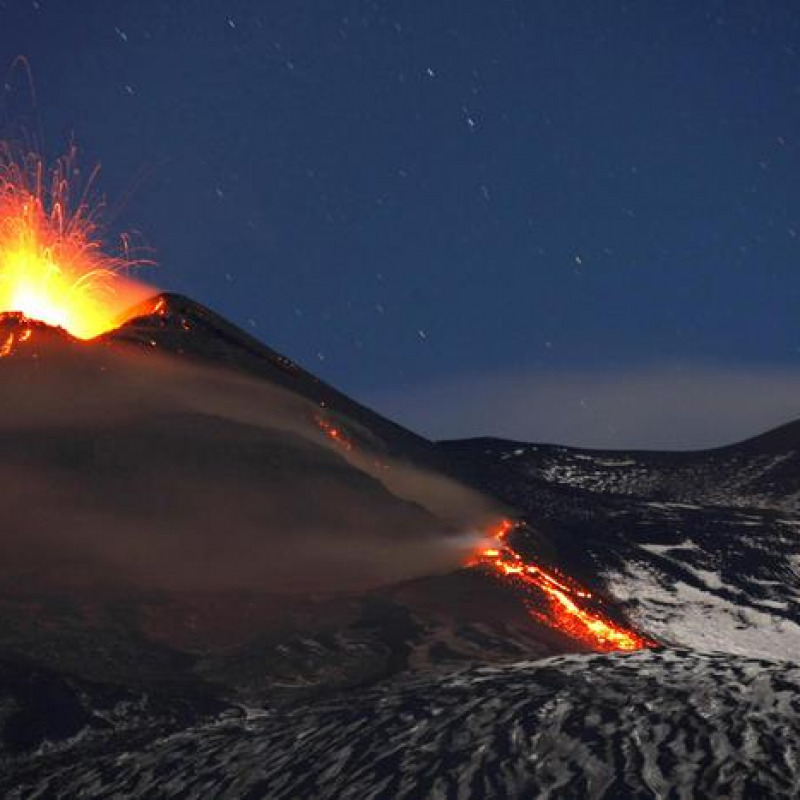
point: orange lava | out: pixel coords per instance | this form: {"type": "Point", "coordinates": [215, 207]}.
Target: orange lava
{"type": "Point", "coordinates": [333, 433]}
{"type": "Point", "coordinates": [13, 340]}
{"type": "Point", "coordinates": [572, 608]}
{"type": "Point", "coordinates": [52, 267]}
{"type": "Point", "coordinates": [363, 458]}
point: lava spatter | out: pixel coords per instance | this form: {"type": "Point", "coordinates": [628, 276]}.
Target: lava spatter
{"type": "Point", "coordinates": [52, 266]}
{"type": "Point", "coordinates": [13, 340]}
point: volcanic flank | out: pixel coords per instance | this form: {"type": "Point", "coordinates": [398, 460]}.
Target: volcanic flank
{"type": "Point", "coordinates": [127, 451]}
{"type": "Point", "coordinates": [179, 462]}
{"type": "Point", "coordinates": [207, 552]}
{"type": "Point", "coordinates": [193, 520]}
{"type": "Point", "coordinates": [136, 461]}
{"type": "Point", "coordinates": [197, 529]}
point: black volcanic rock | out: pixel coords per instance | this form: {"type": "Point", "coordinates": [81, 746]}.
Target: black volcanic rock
{"type": "Point", "coordinates": [644, 725]}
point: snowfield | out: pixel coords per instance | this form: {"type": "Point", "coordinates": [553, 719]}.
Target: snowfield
{"type": "Point", "coordinates": [702, 618]}
{"type": "Point", "coordinates": [649, 724]}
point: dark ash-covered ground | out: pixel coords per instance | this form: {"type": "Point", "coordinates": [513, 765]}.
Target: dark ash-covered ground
{"type": "Point", "coordinates": [432, 682]}
{"type": "Point", "coordinates": [650, 724]}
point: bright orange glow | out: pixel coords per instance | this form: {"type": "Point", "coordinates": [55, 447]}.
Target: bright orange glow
{"type": "Point", "coordinates": [569, 610]}
{"type": "Point", "coordinates": [52, 268]}
{"type": "Point", "coordinates": [12, 340]}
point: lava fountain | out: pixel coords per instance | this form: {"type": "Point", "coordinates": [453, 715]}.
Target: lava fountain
{"type": "Point", "coordinates": [52, 266]}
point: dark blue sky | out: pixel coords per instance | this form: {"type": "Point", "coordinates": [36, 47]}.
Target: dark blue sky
{"type": "Point", "coordinates": [405, 193]}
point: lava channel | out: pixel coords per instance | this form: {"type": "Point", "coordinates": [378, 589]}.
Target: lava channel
{"type": "Point", "coordinates": [572, 609]}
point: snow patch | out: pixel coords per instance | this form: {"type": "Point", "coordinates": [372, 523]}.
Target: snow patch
{"type": "Point", "coordinates": [688, 616]}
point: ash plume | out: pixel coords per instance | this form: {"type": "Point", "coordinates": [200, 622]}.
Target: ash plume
{"type": "Point", "coordinates": [141, 469]}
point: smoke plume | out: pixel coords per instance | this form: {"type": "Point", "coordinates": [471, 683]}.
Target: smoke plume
{"type": "Point", "coordinates": [135, 468]}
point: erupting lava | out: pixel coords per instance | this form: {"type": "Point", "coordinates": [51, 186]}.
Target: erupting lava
{"type": "Point", "coordinates": [570, 604]}
{"type": "Point", "coordinates": [52, 268]}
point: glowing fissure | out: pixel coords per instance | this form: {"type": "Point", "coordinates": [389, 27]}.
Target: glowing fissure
{"type": "Point", "coordinates": [52, 268]}
{"type": "Point", "coordinates": [570, 605]}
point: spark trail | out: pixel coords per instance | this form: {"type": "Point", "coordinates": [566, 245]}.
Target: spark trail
{"type": "Point", "coordinates": [52, 266]}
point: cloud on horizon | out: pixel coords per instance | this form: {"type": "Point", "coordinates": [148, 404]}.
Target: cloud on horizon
{"type": "Point", "coordinates": [669, 407]}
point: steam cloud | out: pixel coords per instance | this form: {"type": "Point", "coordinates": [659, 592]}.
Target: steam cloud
{"type": "Point", "coordinates": [133, 468]}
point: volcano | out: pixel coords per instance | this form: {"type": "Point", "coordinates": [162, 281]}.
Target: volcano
{"type": "Point", "coordinates": [209, 552]}
{"type": "Point", "coordinates": [136, 449]}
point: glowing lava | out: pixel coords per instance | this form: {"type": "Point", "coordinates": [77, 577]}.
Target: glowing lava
{"type": "Point", "coordinates": [333, 433]}
{"type": "Point", "coordinates": [572, 608]}
{"type": "Point", "coordinates": [52, 267]}
{"type": "Point", "coordinates": [12, 340]}
{"type": "Point", "coordinates": [341, 439]}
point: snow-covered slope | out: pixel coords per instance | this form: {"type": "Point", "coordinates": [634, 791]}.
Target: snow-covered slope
{"type": "Point", "coordinates": [701, 549]}
{"type": "Point", "coordinates": [666, 724]}
{"type": "Point", "coordinates": [763, 472]}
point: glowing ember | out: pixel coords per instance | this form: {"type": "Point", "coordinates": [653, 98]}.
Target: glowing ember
{"type": "Point", "coordinates": [12, 340]}
{"type": "Point", "coordinates": [333, 433]}
{"type": "Point", "coordinates": [51, 266]}
{"type": "Point", "coordinates": [571, 609]}
{"type": "Point", "coordinates": [364, 458]}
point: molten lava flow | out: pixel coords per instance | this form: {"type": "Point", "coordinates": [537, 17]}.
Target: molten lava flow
{"type": "Point", "coordinates": [573, 610]}
{"type": "Point", "coordinates": [51, 266]}
{"type": "Point", "coordinates": [570, 604]}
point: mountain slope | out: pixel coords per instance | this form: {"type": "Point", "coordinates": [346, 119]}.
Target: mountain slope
{"type": "Point", "coordinates": [173, 324]}
{"type": "Point", "coordinates": [221, 577]}
{"type": "Point", "coordinates": [195, 508]}
{"type": "Point", "coordinates": [762, 472]}
{"type": "Point", "coordinates": [702, 549]}
{"type": "Point", "coordinates": [602, 726]}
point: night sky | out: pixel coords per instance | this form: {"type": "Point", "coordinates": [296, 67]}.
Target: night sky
{"type": "Point", "coordinates": [574, 221]}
